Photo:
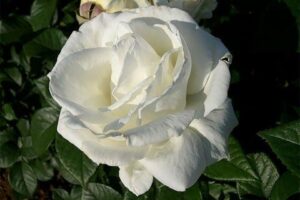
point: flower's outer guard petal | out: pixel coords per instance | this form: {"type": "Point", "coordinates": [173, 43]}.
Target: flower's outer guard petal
{"type": "Point", "coordinates": [81, 81]}
{"type": "Point", "coordinates": [216, 128]}
{"type": "Point", "coordinates": [136, 178]}
{"type": "Point", "coordinates": [216, 87]}
{"type": "Point", "coordinates": [205, 50]}
{"type": "Point", "coordinates": [108, 151]}
{"type": "Point", "coordinates": [179, 162]}
{"type": "Point", "coordinates": [222, 119]}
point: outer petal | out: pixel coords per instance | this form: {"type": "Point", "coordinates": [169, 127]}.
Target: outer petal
{"type": "Point", "coordinates": [81, 81]}
{"type": "Point", "coordinates": [217, 87]}
{"type": "Point", "coordinates": [216, 128]}
{"type": "Point", "coordinates": [136, 178]}
{"type": "Point", "coordinates": [206, 51]}
{"type": "Point", "coordinates": [108, 151]}
{"type": "Point", "coordinates": [179, 162]}
{"type": "Point", "coordinates": [222, 119]}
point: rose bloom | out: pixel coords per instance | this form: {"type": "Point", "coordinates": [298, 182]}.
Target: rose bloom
{"type": "Point", "coordinates": [145, 90]}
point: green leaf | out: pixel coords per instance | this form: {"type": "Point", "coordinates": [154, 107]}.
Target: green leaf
{"type": "Point", "coordinates": [8, 112]}
{"type": "Point", "coordinates": [226, 171]}
{"type": "Point", "coordinates": [286, 186]}
{"type": "Point", "coordinates": [25, 143]}
{"type": "Point", "coordinates": [75, 161]}
{"type": "Point", "coordinates": [22, 179]}
{"type": "Point", "coordinates": [95, 191]}
{"type": "Point", "coordinates": [285, 143]}
{"type": "Point", "coordinates": [14, 74]}
{"type": "Point", "coordinates": [42, 170]}
{"type": "Point", "coordinates": [15, 55]}
{"type": "Point", "coordinates": [3, 77]}
{"type": "Point", "coordinates": [216, 190]}
{"type": "Point", "coordinates": [238, 158]}
{"type": "Point", "coordinates": [49, 40]}
{"type": "Point", "coordinates": [7, 135]}
{"type": "Point", "coordinates": [192, 193]}
{"type": "Point", "coordinates": [13, 28]}
{"type": "Point", "coordinates": [60, 194]}
{"type": "Point", "coordinates": [9, 154]}
{"type": "Point", "coordinates": [253, 188]}
{"type": "Point", "coordinates": [130, 196]}
{"type": "Point", "coordinates": [42, 12]}
{"type": "Point", "coordinates": [76, 193]}
{"type": "Point", "coordinates": [236, 169]}
{"type": "Point", "coordinates": [66, 174]}
{"type": "Point", "coordinates": [267, 176]}
{"type": "Point", "coordinates": [24, 127]}
{"type": "Point", "coordinates": [43, 129]}
{"type": "Point", "coordinates": [43, 87]}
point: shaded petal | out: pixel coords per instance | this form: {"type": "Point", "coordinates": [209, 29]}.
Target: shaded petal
{"type": "Point", "coordinates": [110, 150]}
{"type": "Point", "coordinates": [91, 34]}
{"type": "Point", "coordinates": [173, 97]}
{"type": "Point", "coordinates": [217, 87]}
{"type": "Point", "coordinates": [136, 178]}
{"type": "Point", "coordinates": [161, 129]}
{"type": "Point", "coordinates": [222, 119]}
{"type": "Point", "coordinates": [179, 162]}
{"type": "Point", "coordinates": [137, 62]}
{"type": "Point", "coordinates": [205, 49]}
{"type": "Point", "coordinates": [216, 128]}
{"type": "Point", "coordinates": [81, 81]}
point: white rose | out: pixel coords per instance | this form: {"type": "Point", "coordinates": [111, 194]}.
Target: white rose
{"type": "Point", "coordinates": [145, 90]}
{"type": "Point", "coordinates": [200, 9]}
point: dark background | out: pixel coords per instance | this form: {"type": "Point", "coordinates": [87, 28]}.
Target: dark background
{"type": "Point", "coordinates": [262, 35]}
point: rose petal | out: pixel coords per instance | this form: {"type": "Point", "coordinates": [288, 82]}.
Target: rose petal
{"type": "Point", "coordinates": [81, 81]}
{"type": "Point", "coordinates": [101, 31]}
{"type": "Point", "coordinates": [136, 62]}
{"type": "Point", "coordinates": [216, 127]}
{"type": "Point", "coordinates": [161, 129]}
{"type": "Point", "coordinates": [173, 98]}
{"type": "Point", "coordinates": [216, 87]}
{"type": "Point", "coordinates": [108, 151]}
{"type": "Point", "coordinates": [206, 51]}
{"type": "Point", "coordinates": [136, 178]}
{"type": "Point", "coordinates": [150, 30]}
{"type": "Point", "coordinates": [179, 162]}
{"type": "Point", "coordinates": [222, 119]}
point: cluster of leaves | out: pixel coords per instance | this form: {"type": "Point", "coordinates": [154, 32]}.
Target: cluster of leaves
{"type": "Point", "coordinates": [37, 163]}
